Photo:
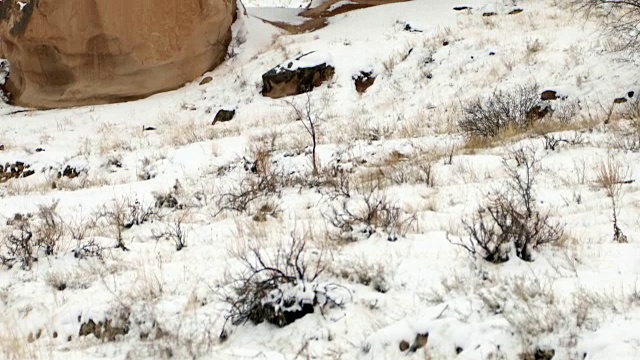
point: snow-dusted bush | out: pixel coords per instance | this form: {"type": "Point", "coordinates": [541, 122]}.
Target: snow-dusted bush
{"type": "Point", "coordinates": [503, 109]}
{"type": "Point", "coordinates": [278, 285]}
{"type": "Point", "coordinates": [366, 212]}
{"type": "Point", "coordinates": [510, 217]}
{"type": "Point", "coordinates": [622, 18]}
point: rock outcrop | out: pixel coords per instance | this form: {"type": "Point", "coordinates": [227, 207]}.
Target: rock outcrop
{"type": "Point", "coordinates": [297, 76]}
{"type": "Point", "coordinates": [81, 52]}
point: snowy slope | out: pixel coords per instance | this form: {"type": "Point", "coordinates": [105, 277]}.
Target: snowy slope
{"type": "Point", "coordinates": [577, 298]}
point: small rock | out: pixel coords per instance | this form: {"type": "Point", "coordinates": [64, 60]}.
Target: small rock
{"type": "Point", "coordinates": [1, 147]}
{"type": "Point", "coordinates": [445, 43]}
{"type": "Point", "coordinates": [206, 80]}
{"type": "Point", "coordinates": [420, 341]}
{"type": "Point", "coordinates": [459, 349]}
{"type": "Point", "coordinates": [55, 334]}
{"type": "Point", "coordinates": [460, 8]}
{"type": "Point", "coordinates": [549, 95]}
{"type": "Point", "coordinates": [148, 128]}
{"type": "Point", "coordinates": [404, 345]}
{"type": "Point", "coordinates": [363, 81]}
{"type": "Point", "coordinates": [629, 94]}
{"type": "Point", "coordinates": [408, 27]}
{"type": "Point", "coordinates": [620, 100]}
{"type": "Point", "coordinates": [223, 116]}
{"type": "Point", "coordinates": [490, 13]}
{"type": "Point", "coordinates": [515, 11]}
{"type": "Point", "coordinates": [39, 149]}
{"type": "Point", "coordinates": [491, 53]}
{"type": "Point", "coordinates": [69, 338]}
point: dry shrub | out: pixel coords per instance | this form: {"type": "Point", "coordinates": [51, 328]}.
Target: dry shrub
{"type": "Point", "coordinates": [277, 284]}
{"type": "Point", "coordinates": [510, 217]}
{"type": "Point", "coordinates": [610, 176]}
{"type": "Point", "coordinates": [514, 108]}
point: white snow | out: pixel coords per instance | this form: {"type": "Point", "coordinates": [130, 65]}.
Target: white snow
{"type": "Point", "coordinates": [578, 298]}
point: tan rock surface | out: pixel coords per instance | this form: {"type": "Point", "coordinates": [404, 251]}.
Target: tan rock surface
{"type": "Point", "coordinates": [80, 52]}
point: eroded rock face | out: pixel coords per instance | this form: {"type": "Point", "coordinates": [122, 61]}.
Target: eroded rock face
{"type": "Point", "coordinates": [297, 76]}
{"type": "Point", "coordinates": [80, 52]}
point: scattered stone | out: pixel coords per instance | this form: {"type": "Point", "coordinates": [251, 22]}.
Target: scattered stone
{"type": "Point", "coordinates": [491, 53]}
{"type": "Point", "coordinates": [549, 95]}
{"type": "Point", "coordinates": [620, 100]}
{"type": "Point", "coordinates": [539, 354]}
{"type": "Point", "coordinates": [69, 172]}
{"type": "Point", "coordinates": [39, 149]}
{"type": "Point", "coordinates": [363, 81]}
{"type": "Point", "coordinates": [515, 11]}
{"type": "Point", "coordinates": [102, 330]}
{"type": "Point", "coordinates": [206, 80]}
{"type": "Point", "coordinates": [14, 171]}
{"type": "Point", "coordinates": [445, 43]}
{"type": "Point", "coordinates": [55, 334]}
{"type": "Point", "coordinates": [629, 94]}
{"type": "Point", "coordinates": [460, 8]}
{"type": "Point", "coordinates": [223, 116]}
{"type": "Point", "coordinates": [288, 80]}
{"type": "Point", "coordinates": [148, 128]}
{"type": "Point", "coordinates": [419, 342]}
{"type": "Point", "coordinates": [408, 27]}
{"type": "Point", "coordinates": [490, 13]}
{"type": "Point", "coordinates": [1, 147]}
{"type": "Point", "coordinates": [404, 345]}
{"type": "Point", "coordinates": [459, 349]}
{"type": "Point", "coordinates": [69, 338]}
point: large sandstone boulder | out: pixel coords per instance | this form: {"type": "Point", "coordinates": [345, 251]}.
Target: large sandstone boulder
{"type": "Point", "coordinates": [80, 52]}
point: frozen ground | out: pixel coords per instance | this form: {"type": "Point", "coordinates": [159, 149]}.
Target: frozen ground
{"type": "Point", "coordinates": [579, 297]}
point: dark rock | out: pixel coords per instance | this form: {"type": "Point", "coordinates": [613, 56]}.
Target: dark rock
{"type": "Point", "coordinates": [404, 345]}
{"type": "Point", "coordinates": [206, 80]}
{"type": "Point", "coordinates": [69, 172]}
{"type": "Point", "coordinates": [364, 80]}
{"type": "Point", "coordinates": [39, 149]}
{"type": "Point", "coordinates": [515, 11]}
{"type": "Point", "coordinates": [620, 100]}
{"type": "Point", "coordinates": [541, 354]}
{"type": "Point", "coordinates": [445, 43]}
{"type": "Point", "coordinates": [408, 27]}
{"type": "Point", "coordinates": [460, 8]}
{"type": "Point", "coordinates": [1, 147]}
{"type": "Point", "coordinates": [459, 349]}
{"type": "Point", "coordinates": [549, 95]}
{"type": "Point", "coordinates": [491, 53]}
{"type": "Point", "coordinates": [148, 128]}
{"type": "Point", "coordinates": [419, 342]}
{"type": "Point", "coordinates": [284, 81]}
{"type": "Point", "coordinates": [629, 94]}
{"type": "Point", "coordinates": [223, 116]}
{"type": "Point", "coordinates": [55, 334]}
{"type": "Point", "coordinates": [490, 13]}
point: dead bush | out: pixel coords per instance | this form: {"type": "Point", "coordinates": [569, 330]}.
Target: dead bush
{"type": "Point", "coordinates": [621, 18]}
{"type": "Point", "coordinates": [174, 232]}
{"type": "Point", "coordinates": [366, 212]}
{"type": "Point", "coordinates": [19, 243]}
{"type": "Point", "coordinates": [510, 217]}
{"type": "Point", "coordinates": [122, 214]}
{"type": "Point", "coordinates": [49, 228]}
{"type": "Point", "coordinates": [514, 108]}
{"type": "Point", "coordinates": [610, 176]}
{"type": "Point", "coordinates": [261, 182]}
{"type": "Point", "coordinates": [278, 285]}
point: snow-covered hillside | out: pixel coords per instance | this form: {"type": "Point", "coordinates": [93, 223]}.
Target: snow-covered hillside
{"type": "Point", "coordinates": [147, 215]}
